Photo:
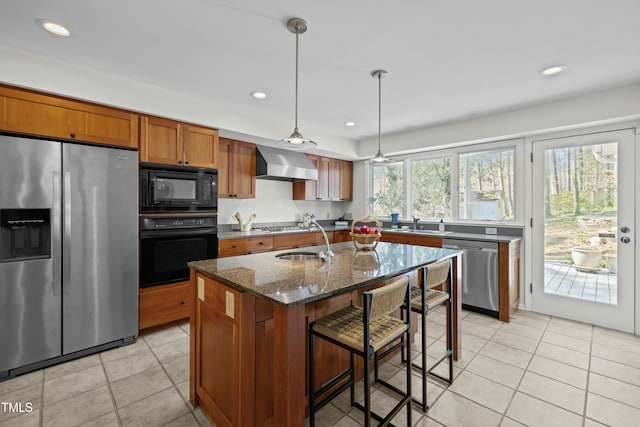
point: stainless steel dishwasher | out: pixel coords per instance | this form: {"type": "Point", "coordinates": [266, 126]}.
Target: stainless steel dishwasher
{"type": "Point", "coordinates": [479, 274]}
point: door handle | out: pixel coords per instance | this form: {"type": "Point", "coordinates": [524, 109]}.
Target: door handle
{"type": "Point", "coordinates": [625, 229]}
{"type": "Point", "coordinates": [66, 266]}
{"type": "Point", "coordinates": [625, 239]}
{"type": "Point", "coordinates": [57, 246]}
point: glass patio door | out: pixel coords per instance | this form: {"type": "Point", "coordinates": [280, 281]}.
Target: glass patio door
{"type": "Point", "coordinates": [583, 228]}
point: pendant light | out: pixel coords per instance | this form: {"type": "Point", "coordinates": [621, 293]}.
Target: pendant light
{"type": "Point", "coordinates": [296, 140]}
{"type": "Point", "coordinates": [379, 157]}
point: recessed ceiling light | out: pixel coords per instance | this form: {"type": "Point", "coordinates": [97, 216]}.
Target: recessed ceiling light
{"type": "Point", "coordinates": [53, 27]}
{"type": "Point", "coordinates": [259, 95]}
{"type": "Point", "coordinates": [552, 71]}
{"type": "Point", "coordinates": [349, 124]}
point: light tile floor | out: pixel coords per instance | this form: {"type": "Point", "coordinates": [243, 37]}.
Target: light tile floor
{"type": "Point", "coordinates": [535, 370]}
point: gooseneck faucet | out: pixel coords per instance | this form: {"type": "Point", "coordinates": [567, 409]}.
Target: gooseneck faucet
{"type": "Point", "coordinates": [323, 255]}
{"type": "Point", "coordinates": [415, 222]}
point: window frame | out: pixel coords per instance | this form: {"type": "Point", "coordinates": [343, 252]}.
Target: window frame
{"type": "Point", "coordinates": [454, 153]}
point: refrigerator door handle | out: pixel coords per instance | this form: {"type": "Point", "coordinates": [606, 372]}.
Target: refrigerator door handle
{"type": "Point", "coordinates": [56, 246]}
{"type": "Point", "coordinates": [66, 247]}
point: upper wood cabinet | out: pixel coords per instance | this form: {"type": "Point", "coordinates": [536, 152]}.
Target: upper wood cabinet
{"type": "Point", "coordinates": [236, 169]}
{"type": "Point", "coordinates": [346, 180]}
{"type": "Point", "coordinates": [174, 143]}
{"type": "Point", "coordinates": [32, 113]}
{"type": "Point", "coordinates": [335, 181]}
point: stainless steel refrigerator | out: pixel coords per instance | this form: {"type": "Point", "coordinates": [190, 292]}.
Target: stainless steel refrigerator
{"type": "Point", "coordinates": [68, 251]}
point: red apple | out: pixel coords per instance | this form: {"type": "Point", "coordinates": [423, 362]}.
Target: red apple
{"type": "Point", "coordinates": [365, 229]}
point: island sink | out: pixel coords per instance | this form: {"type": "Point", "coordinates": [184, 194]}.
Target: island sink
{"type": "Point", "coordinates": [298, 256]}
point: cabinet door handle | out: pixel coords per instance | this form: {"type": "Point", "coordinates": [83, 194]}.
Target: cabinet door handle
{"type": "Point", "coordinates": [179, 162]}
{"type": "Point", "coordinates": [181, 302]}
{"type": "Point", "coordinates": [72, 135]}
{"type": "Point", "coordinates": [261, 243]}
{"type": "Point", "coordinates": [186, 162]}
{"type": "Point", "coordinates": [233, 246]}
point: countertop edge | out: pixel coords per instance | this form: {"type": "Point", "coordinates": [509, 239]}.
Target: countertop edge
{"type": "Point", "coordinates": [320, 297]}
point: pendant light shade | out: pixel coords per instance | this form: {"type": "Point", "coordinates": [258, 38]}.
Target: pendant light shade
{"type": "Point", "coordinates": [296, 141]}
{"type": "Point", "coordinates": [379, 157]}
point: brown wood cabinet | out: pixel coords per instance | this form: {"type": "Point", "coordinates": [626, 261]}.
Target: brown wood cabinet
{"type": "Point", "coordinates": [346, 180]}
{"type": "Point", "coordinates": [36, 114]}
{"type": "Point", "coordinates": [294, 241]}
{"type": "Point", "coordinates": [164, 304]}
{"type": "Point", "coordinates": [341, 236]}
{"type": "Point", "coordinates": [335, 181]}
{"type": "Point", "coordinates": [174, 143]}
{"type": "Point", "coordinates": [244, 246]}
{"type": "Point", "coordinates": [410, 239]}
{"type": "Point", "coordinates": [220, 347]}
{"type": "Point", "coordinates": [236, 169]}
{"type": "Point", "coordinates": [509, 279]}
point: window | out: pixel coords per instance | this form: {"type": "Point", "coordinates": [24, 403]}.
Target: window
{"type": "Point", "coordinates": [486, 185]}
{"type": "Point", "coordinates": [483, 176]}
{"type": "Point", "coordinates": [388, 189]}
{"type": "Point", "coordinates": [431, 188]}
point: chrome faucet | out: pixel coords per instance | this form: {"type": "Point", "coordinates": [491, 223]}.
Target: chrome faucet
{"type": "Point", "coordinates": [415, 222]}
{"type": "Point", "coordinates": [323, 255]}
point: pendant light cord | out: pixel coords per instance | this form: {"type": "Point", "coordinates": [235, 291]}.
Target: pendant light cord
{"type": "Point", "coordinates": [379, 110]}
{"type": "Point", "coordinates": [296, 97]}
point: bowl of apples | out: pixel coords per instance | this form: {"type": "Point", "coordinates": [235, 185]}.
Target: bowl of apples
{"type": "Point", "coordinates": [365, 233]}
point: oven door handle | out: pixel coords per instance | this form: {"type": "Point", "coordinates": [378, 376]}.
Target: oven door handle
{"type": "Point", "coordinates": [151, 234]}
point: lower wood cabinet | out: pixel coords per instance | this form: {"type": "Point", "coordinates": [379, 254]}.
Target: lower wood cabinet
{"type": "Point", "coordinates": [294, 241]}
{"type": "Point", "coordinates": [244, 246]}
{"type": "Point", "coordinates": [254, 245]}
{"type": "Point", "coordinates": [340, 236]}
{"type": "Point", "coordinates": [434, 242]}
{"type": "Point", "coordinates": [164, 304]}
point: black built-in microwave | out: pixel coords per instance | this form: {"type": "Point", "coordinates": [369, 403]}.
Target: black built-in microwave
{"type": "Point", "coordinates": [173, 189]}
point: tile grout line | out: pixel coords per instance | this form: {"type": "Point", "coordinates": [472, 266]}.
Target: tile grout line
{"type": "Point", "coordinates": [41, 417]}
{"type": "Point", "coordinates": [524, 372]}
{"type": "Point", "coordinates": [113, 398]}
{"type": "Point", "coordinates": [186, 403]}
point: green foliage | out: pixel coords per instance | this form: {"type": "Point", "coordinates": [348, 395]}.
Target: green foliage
{"type": "Point", "coordinates": [431, 188]}
{"type": "Point", "coordinates": [388, 186]}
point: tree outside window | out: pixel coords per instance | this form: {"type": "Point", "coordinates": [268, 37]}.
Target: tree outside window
{"type": "Point", "coordinates": [431, 188]}
{"type": "Point", "coordinates": [388, 189]}
{"type": "Point", "coordinates": [486, 186]}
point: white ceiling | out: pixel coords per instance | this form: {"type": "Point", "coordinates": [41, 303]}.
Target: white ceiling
{"type": "Point", "coordinates": [446, 59]}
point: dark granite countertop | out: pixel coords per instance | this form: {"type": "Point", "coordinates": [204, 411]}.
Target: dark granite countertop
{"type": "Point", "coordinates": [290, 283]}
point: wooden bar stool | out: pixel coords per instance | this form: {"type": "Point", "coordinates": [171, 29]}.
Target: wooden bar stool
{"type": "Point", "coordinates": [423, 300]}
{"type": "Point", "coordinates": [363, 332]}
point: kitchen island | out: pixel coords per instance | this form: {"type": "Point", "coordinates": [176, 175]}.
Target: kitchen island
{"type": "Point", "coordinates": [249, 324]}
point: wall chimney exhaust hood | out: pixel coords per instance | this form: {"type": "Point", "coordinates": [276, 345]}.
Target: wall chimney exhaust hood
{"type": "Point", "coordinates": [283, 165]}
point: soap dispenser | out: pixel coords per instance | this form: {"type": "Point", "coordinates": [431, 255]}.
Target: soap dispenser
{"type": "Point", "coordinates": [441, 226]}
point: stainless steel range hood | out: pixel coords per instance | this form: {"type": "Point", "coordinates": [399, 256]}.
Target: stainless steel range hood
{"type": "Point", "coordinates": [283, 165]}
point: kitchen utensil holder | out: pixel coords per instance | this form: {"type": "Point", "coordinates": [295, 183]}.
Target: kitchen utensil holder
{"type": "Point", "coordinates": [365, 242]}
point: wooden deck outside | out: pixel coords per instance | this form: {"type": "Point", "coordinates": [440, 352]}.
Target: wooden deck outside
{"type": "Point", "coordinates": [564, 279]}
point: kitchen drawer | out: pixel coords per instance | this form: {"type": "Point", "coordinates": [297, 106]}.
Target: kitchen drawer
{"type": "Point", "coordinates": [164, 304]}
{"type": "Point", "coordinates": [319, 240]}
{"type": "Point", "coordinates": [408, 239]}
{"type": "Point", "coordinates": [295, 240]}
{"type": "Point", "coordinates": [244, 246]}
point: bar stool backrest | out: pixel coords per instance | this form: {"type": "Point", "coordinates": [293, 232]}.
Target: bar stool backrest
{"type": "Point", "coordinates": [437, 273]}
{"type": "Point", "coordinates": [385, 299]}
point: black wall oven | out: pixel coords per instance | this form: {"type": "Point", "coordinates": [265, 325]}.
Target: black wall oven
{"type": "Point", "coordinates": [177, 189]}
{"type": "Point", "coordinates": [168, 243]}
